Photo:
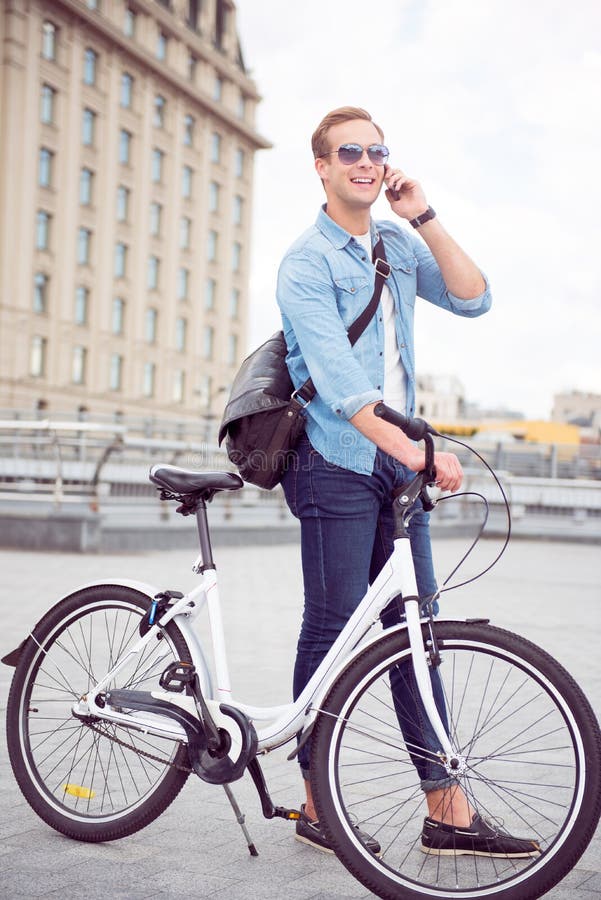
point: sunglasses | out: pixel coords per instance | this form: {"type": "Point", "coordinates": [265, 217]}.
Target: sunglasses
{"type": "Point", "coordinates": [352, 153]}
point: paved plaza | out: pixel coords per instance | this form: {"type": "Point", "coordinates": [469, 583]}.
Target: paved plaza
{"type": "Point", "coordinates": [196, 849]}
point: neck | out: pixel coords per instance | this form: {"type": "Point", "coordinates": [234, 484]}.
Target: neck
{"type": "Point", "coordinates": [355, 221]}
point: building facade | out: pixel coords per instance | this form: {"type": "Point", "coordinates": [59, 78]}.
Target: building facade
{"type": "Point", "coordinates": [127, 139]}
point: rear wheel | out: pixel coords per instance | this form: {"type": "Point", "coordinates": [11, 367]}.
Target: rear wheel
{"type": "Point", "coordinates": [93, 781]}
{"type": "Point", "coordinates": [533, 761]}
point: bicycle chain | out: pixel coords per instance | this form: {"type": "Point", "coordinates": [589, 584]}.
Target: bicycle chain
{"type": "Point", "coordinates": [145, 753]}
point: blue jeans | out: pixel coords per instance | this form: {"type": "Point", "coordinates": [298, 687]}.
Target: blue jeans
{"type": "Point", "coordinates": [346, 536]}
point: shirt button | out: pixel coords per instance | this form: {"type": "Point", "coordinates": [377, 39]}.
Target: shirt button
{"type": "Point", "coordinates": [402, 346]}
{"type": "Point", "coordinates": [352, 290]}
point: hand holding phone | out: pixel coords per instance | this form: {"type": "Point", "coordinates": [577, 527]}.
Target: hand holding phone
{"type": "Point", "coordinates": [391, 194]}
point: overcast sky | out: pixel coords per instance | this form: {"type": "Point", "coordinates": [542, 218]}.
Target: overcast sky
{"type": "Point", "coordinates": [495, 106]}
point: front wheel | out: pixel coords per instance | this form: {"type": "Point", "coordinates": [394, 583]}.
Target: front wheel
{"type": "Point", "coordinates": [93, 781]}
{"type": "Point", "coordinates": [532, 762]}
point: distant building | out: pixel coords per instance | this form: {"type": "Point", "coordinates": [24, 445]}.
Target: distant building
{"type": "Point", "coordinates": [127, 140]}
{"type": "Point", "coordinates": [439, 397]}
{"type": "Point", "coordinates": [577, 408]}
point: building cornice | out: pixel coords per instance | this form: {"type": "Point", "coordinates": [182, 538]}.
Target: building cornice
{"type": "Point", "coordinates": [194, 42]}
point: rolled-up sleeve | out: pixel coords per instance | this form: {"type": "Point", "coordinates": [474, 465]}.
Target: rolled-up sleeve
{"type": "Point", "coordinates": [318, 344]}
{"type": "Point", "coordinates": [431, 286]}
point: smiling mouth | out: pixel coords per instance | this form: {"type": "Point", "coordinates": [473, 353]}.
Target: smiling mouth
{"type": "Point", "coordinates": [363, 180]}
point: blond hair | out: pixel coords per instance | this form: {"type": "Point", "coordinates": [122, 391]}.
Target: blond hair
{"type": "Point", "coordinates": [319, 140]}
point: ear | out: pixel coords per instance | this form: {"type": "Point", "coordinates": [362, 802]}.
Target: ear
{"type": "Point", "coordinates": [321, 167]}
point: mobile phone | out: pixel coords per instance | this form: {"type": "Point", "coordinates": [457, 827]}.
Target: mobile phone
{"type": "Point", "coordinates": [390, 193]}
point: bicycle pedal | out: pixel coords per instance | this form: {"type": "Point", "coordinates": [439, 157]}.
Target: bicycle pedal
{"type": "Point", "coordinates": [177, 676]}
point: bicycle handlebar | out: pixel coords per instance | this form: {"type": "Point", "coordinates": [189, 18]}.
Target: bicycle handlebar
{"type": "Point", "coordinates": [416, 429]}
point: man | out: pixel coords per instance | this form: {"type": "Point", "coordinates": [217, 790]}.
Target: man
{"type": "Point", "coordinates": [349, 461]}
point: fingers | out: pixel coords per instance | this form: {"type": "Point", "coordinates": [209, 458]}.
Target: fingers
{"type": "Point", "coordinates": [449, 473]}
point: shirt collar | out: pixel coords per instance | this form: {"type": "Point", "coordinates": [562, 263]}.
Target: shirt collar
{"type": "Point", "coordinates": [337, 235]}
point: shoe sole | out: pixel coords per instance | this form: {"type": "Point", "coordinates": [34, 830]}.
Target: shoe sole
{"type": "Point", "coordinates": [314, 844]}
{"type": "Point", "coordinates": [431, 851]}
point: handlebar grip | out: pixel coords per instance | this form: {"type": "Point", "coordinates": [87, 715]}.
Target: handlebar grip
{"type": "Point", "coordinates": [416, 429]}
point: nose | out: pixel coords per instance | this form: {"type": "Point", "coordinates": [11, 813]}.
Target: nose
{"type": "Point", "coordinates": [365, 160]}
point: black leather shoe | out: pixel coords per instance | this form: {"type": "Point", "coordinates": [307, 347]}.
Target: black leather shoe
{"type": "Point", "coordinates": [310, 833]}
{"type": "Point", "coordinates": [482, 838]}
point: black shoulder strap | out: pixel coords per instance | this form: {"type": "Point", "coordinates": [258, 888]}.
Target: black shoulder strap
{"type": "Point", "coordinates": [307, 391]}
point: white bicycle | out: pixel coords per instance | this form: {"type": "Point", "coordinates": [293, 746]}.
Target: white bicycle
{"type": "Point", "coordinates": [113, 706]}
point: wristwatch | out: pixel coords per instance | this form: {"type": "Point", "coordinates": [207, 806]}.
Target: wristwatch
{"type": "Point", "coordinates": [425, 217]}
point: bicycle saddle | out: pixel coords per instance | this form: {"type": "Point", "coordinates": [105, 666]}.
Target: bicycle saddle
{"type": "Point", "coordinates": [187, 481]}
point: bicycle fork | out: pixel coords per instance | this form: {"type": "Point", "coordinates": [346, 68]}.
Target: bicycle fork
{"type": "Point", "coordinates": [453, 761]}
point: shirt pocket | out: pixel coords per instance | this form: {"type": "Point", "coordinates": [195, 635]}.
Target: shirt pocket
{"type": "Point", "coordinates": [353, 293]}
{"type": "Point", "coordinates": [404, 272]}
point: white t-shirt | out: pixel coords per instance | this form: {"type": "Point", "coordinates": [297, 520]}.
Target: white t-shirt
{"type": "Point", "coordinates": [395, 388]}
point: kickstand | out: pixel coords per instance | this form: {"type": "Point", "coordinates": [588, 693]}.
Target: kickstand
{"type": "Point", "coordinates": [240, 819]}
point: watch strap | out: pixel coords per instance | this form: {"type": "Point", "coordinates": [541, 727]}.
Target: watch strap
{"type": "Point", "coordinates": [423, 218]}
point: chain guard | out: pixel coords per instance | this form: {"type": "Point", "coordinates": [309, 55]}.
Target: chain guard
{"type": "Point", "coordinates": [214, 767]}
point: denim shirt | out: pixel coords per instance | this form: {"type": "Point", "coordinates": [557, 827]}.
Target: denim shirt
{"type": "Point", "coordinates": [325, 280]}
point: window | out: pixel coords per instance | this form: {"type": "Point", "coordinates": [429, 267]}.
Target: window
{"type": "Point", "coordinates": [116, 372]}
{"type": "Point", "coordinates": [88, 128]}
{"type": "Point", "coordinates": [37, 357]}
{"type": "Point", "coordinates": [218, 89]}
{"type": "Point", "coordinates": [241, 106]}
{"type": "Point", "coordinates": [84, 244]}
{"type": "Point", "coordinates": [162, 42]}
{"type": "Point", "coordinates": [179, 385]}
{"type": "Point", "coordinates": [149, 379]}
{"type": "Point", "coordinates": [213, 196]}
{"type": "Point", "coordinates": [159, 111]}
{"type": "Point", "coordinates": [156, 166]}
{"type": "Point", "coordinates": [181, 329]}
{"type": "Point", "coordinates": [238, 205]}
{"type": "Point", "coordinates": [125, 140]}
{"type": "Point", "coordinates": [90, 62]}
{"type": "Point", "coordinates": [210, 293]}
{"type": "Point", "coordinates": [234, 303]}
{"type": "Point", "coordinates": [185, 227]}
{"type": "Point", "coordinates": [47, 104]}
{"type": "Point", "coordinates": [154, 265]}
{"type": "Point", "coordinates": [189, 130]}
{"type": "Point", "coordinates": [221, 24]}
{"type": "Point", "coordinates": [212, 246]}
{"type": "Point", "coordinates": [86, 182]}
{"type": "Point", "coordinates": [45, 167]}
{"type": "Point", "coordinates": [78, 367]}
{"type": "Point", "coordinates": [122, 204]}
{"type": "Point", "coordinates": [118, 316]}
{"type": "Point", "coordinates": [120, 268]}
{"type": "Point", "coordinates": [236, 256]}
{"type": "Point", "coordinates": [239, 159]}
{"type": "Point", "coordinates": [183, 283]}
{"type": "Point", "coordinates": [82, 301]}
{"type": "Point", "coordinates": [155, 219]}
{"type": "Point", "coordinates": [192, 67]}
{"type": "Point", "coordinates": [186, 182]}
{"type": "Point", "coordinates": [215, 151]}
{"type": "Point", "coordinates": [193, 13]}
{"type": "Point", "coordinates": [49, 40]}
{"type": "Point", "coordinates": [42, 232]}
{"type": "Point", "coordinates": [40, 293]}
{"type": "Point", "coordinates": [127, 90]}
{"type": "Point", "coordinates": [129, 23]}
{"type": "Point", "coordinates": [207, 343]}
{"type": "Point", "coordinates": [232, 349]}
{"type": "Point", "coordinates": [150, 325]}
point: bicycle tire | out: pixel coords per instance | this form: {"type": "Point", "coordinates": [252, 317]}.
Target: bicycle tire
{"type": "Point", "coordinates": [78, 781]}
{"type": "Point", "coordinates": [533, 756]}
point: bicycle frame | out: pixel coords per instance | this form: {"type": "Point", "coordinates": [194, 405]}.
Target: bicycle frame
{"type": "Point", "coordinates": [279, 724]}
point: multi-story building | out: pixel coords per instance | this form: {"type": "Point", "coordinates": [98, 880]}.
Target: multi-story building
{"type": "Point", "coordinates": [578, 407]}
{"type": "Point", "coordinates": [127, 140]}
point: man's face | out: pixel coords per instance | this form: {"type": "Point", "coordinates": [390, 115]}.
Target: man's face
{"type": "Point", "coordinates": [359, 184]}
